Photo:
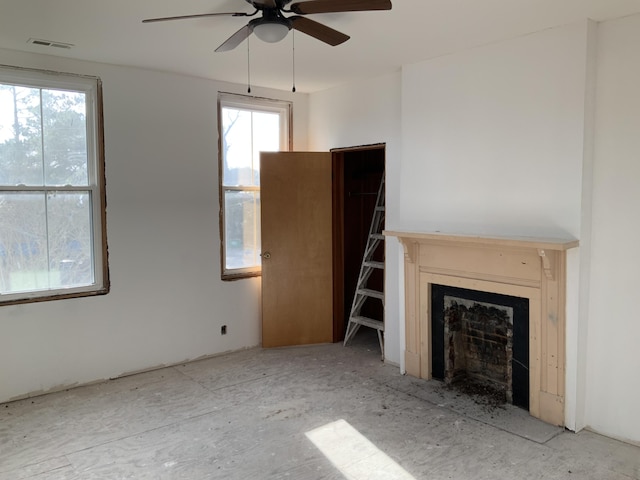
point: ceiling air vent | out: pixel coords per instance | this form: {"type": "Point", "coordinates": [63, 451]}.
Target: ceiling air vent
{"type": "Point", "coordinates": [49, 43]}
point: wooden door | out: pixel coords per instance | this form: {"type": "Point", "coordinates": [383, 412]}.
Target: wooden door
{"type": "Point", "coordinates": [297, 253]}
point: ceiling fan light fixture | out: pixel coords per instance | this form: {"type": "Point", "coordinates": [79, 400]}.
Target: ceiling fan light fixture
{"type": "Point", "coordinates": [271, 31]}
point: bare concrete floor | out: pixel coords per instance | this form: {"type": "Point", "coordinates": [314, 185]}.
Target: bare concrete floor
{"type": "Point", "coordinates": [321, 412]}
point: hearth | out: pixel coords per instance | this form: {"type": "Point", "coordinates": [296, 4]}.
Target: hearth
{"type": "Point", "coordinates": [480, 343]}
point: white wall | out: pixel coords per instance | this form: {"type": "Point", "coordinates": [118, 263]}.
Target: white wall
{"type": "Point", "coordinates": [167, 302]}
{"type": "Point", "coordinates": [363, 113]}
{"type": "Point", "coordinates": [493, 138]}
{"type": "Point", "coordinates": [613, 366]}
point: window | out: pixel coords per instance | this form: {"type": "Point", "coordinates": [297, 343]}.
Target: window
{"type": "Point", "coordinates": [52, 232]}
{"type": "Point", "coordinates": [247, 126]}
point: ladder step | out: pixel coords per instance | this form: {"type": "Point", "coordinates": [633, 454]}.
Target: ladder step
{"type": "Point", "coordinates": [367, 292]}
{"type": "Point", "coordinates": [380, 208]}
{"type": "Point", "coordinates": [373, 264]}
{"type": "Point", "coordinates": [377, 236]}
{"type": "Point", "coordinates": [368, 322]}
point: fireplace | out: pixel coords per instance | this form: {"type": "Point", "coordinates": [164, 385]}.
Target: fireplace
{"type": "Point", "coordinates": [530, 269]}
{"type": "Point", "coordinates": [480, 343]}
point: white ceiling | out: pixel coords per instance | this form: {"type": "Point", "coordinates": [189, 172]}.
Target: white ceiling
{"type": "Point", "coordinates": [111, 31]}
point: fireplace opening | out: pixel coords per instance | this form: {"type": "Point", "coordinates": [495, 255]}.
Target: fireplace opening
{"type": "Point", "coordinates": [480, 343]}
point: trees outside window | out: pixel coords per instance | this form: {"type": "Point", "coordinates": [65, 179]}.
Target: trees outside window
{"type": "Point", "coordinates": [247, 126]}
{"type": "Point", "coordinates": [51, 186]}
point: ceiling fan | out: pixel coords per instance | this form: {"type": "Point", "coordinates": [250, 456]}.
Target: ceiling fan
{"type": "Point", "coordinates": [272, 26]}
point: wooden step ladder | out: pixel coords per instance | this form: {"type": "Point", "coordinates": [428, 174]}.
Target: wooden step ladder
{"type": "Point", "coordinates": [363, 292]}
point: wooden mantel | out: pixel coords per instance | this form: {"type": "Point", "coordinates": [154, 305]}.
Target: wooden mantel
{"type": "Point", "coordinates": [532, 268]}
{"type": "Point", "coordinates": [508, 241]}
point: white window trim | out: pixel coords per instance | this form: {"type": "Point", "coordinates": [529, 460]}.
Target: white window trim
{"type": "Point", "coordinates": [244, 102]}
{"type": "Point", "coordinates": [92, 87]}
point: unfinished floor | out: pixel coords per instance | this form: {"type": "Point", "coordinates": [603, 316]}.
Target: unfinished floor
{"type": "Point", "coordinates": [321, 412]}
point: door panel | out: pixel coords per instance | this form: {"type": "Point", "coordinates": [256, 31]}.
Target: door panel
{"type": "Point", "coordinates": [297, 265]}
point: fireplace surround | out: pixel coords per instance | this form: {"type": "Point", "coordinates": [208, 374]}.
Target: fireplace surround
{"type": "Point", "coordinates": [529, 268]}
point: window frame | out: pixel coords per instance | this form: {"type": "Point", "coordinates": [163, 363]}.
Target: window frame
{"type": "Point", "coordinates": [91, 86]}
{"type": "Point", "coordinates": [254, 104]}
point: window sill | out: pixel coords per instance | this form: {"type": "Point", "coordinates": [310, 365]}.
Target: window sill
{"type": "Point", "coordinates": [230, 277]}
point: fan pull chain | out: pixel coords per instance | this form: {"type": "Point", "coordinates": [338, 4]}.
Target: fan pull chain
{"type": "Point", "coordinates": [293, 60]}
{"type": "Point", "coordinates": [248, 67]}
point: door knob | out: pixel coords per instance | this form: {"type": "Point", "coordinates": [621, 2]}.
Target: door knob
{"type": "Point", "coordinates": [266, 255]}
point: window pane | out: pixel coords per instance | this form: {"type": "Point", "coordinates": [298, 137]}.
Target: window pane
{"type": "Point", "coordinates": [236, 147]}
{"type": "Point", "coordinates": [242, 229]}
{"type": "Point", "coordinates": [266, 138]}
{"type": "Point", "coordinates": [31, 261]}
{"type": "Point", "coordinates": [23, 243]}
{"type": "Point", "coordinates": [70, 242]}
{"type": "Point", "coordinates": [65, 137]}
{"type": "Point", "coordinates": [244, 135]}
{"type": "Point", "coordinates": [20, 136]}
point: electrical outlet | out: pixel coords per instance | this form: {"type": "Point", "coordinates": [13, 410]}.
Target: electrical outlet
{"type": "Point", "coordinates": [223, 330]}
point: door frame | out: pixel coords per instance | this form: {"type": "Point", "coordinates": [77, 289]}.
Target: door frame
{"type": "Point", "coordinates": [337, 168]}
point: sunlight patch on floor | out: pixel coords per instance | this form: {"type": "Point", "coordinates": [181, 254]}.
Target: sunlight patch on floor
{"type": "Point", "coordinates": [354, 455]}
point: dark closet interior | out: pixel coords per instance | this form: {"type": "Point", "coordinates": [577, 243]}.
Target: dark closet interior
{"type": "Point", "coordinates": [357, 176]}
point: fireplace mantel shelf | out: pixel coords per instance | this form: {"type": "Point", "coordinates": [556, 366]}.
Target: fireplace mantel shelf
{"type": "Point", "coordinates": [504, 241]}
